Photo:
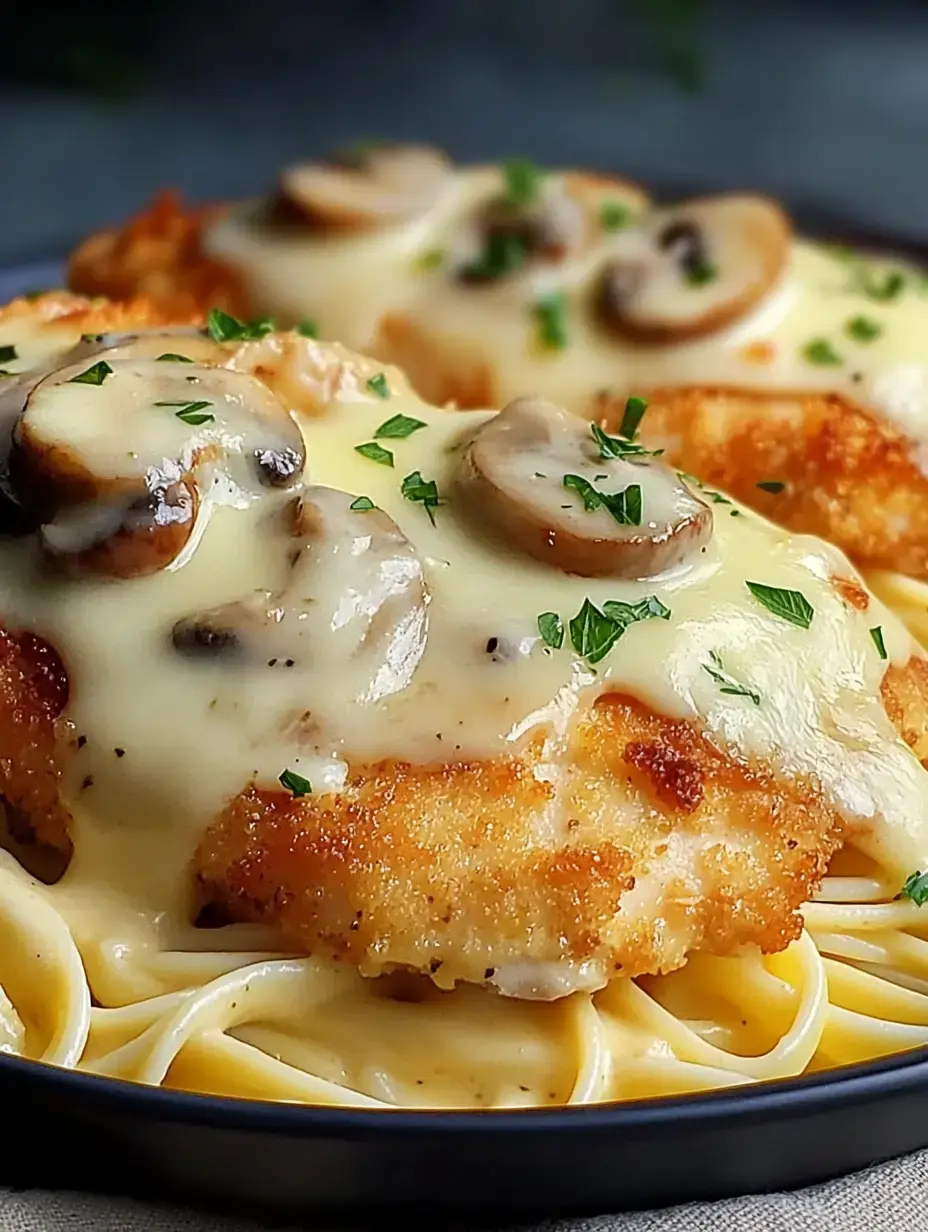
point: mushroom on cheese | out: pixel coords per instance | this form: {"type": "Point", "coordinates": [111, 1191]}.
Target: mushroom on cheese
{"type": "Point", "coordinates": [588, 503]}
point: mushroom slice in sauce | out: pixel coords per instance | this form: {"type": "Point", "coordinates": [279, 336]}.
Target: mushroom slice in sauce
{"type": "Point", "coordinates": [114, 467]}
{"type": "Point", "coordinates": [535, 474]}
{"type": "Point", "coordinates": [354, 603]}
{"type": "Point", "coordinates": [554, 226]}
{"type": "Point", "coordinates": [693, 269]}
{"type": "Point", "coordinates": [374, 187]}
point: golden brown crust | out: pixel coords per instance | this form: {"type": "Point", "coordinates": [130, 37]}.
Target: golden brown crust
{"type": "Point", "coordinates": [159, 254]}
{"type": "Point", "coordinates": [849, 477]}
{"type": "Point", "coordinates": [92, 315]}
{"type": "Point", "coordinates": [375, 875]}
{"type": "Point", "coordinates": [905, 698]}
{"type": "Point", "coordinates": [465, 383]}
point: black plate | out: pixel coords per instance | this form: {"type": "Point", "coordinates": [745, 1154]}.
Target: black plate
{"type": "Point", "coordinates": [79, 1131]}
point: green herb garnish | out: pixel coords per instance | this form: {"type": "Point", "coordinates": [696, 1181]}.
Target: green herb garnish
{"type": "Point", "coordinates": [630, 613]}
{"type": "Point", "coordinates": [378, 385]}
{"type": "Point", "coordinates": [398, 427]}
{"type": "Point", "coordinates": [375, 452]}
{"type": "Point", "coordinates": [7, 353]}
{"type": "Point", "coordinates": [191, 412]}
{"type": "Point", "coordinates": [820, 351]}
{"type": "Point", "coordinates": [522, 181]}
{"type": "Point", "coordinates": [173, 357]}
{"type": "Point", "coordinates": [880, 287]}
{"type": "Point", "coordinates": [223, 327]}
{"type": "Point", "coordinates": [632, 417]}
{"type": "Point", "coordinates": [593, 633]}
{"type": "Point", "coordinates": [770, 485]}
{"type": "Point", "coordinates": [96, 374]}
{"type": "Point", "coordinates": [614, 215]}
{"type": "Point", "coordinates": [423, 491]}
{"type": "Point", "coordinates": [362, 504]}
{"type": "Point", "coordinates": [700, 273]}
{"type": "Point", "coordinates": [726, 683]}
{"type": "Point", "coordinates": [295, 783]}
{"type": "Point", "coordinates": [308, 328]}
{"type": "Point", "coordinates": [915, 888]}
{"type": "Point", "coordinates": [502, 254]}
{"type": "Point", "coordinates": [789, 605]}
{"type": "Point", "coordinates": [431, 259]}
{"type": "Point", "coordinates": [551, 628]}
{"type": "Point", "coordinates": [91, 337]}
{"type": "Point", "coordinates": [551, 315]}
{"type": "Point", "coordinates": [863, 329]}
{"type": "Point", "coordinates": [877, 634]}
{"type": "Point", "coordinates": [617, 447]}
{"type": "Point", "coordinates": [625, 506]}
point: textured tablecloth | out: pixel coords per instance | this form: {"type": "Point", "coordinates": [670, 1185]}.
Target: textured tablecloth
{"type": "Point", "coordinates": [882, 1199]}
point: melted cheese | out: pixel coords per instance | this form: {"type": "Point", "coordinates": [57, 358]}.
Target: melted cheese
{"type": "Point", "coordinates": [169, 736]}
{"type": "Point", "coordinates": [349, 284]}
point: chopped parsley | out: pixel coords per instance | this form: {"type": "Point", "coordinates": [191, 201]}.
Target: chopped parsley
{"type": "Point", "coordinates": [191, 413]}
{"type": "Point", "coordinates": [378, 385]}
{"type": "Point", "coordinates": [223, 327]}
{"type": "Point", "coordinates": [7, 353]}
{"type": "Point", "coordinates": [820, 351]}
{"type": "Point", "coordinates": [625, 506]}
{"type": "Point", "coordinates": [295, 783]}
{"type": "Point", "coordinates": [551, 628]}
{"type": "Point", "coordinates": [96, 374]}
{"type": "Point", "coordinates": [502, 254]}
{"type": "Point", "coordinates": [550, 313]}
{"type": "Point", "coordinates": [877, 634]}
{"type": "Point", "coordinates": [423, 491]}
{"type": "Point", "coordinates": [916, 888]}
{"type": "Point", "coordinates": [880, 287]}
{"type": "Point", "coordinates": [173, 357]}
{"type": "Point", "coordinates": [771, 485]}
{"type": "Point", "coordinates": [632, 417]}
{"type": "Point", "coordinates": [91, 337]}
{"type": "Point", "coordinates": [726, 683]}
{"type": "Point", "coordinates": [308, 328]}
{"type": "Point", "coordinates": [699, 273]}
{"type": "Point", "coordinates": [593, 633]}
{"type": "Point", "coordinates": [863, 329]}
{"type": "Point", "coordinates": [398, 427]}
{"type": "Point", "coordinates": [789, 605]}
{"type": "Point", "coordinates": [521, 180]}
{"type": "Point", "coordinates": [614, 215]}
{"type": "Point", "coordinates": [362, 504]}
{"type": "Point", "coordinates": [375, 452]}
{"type": "Point", "coordinates": [616, 447]}
{"type": "Point", "coordinates": [432, 258]}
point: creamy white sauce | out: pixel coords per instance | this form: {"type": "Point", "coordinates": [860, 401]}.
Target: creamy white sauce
{"type": "Point", "coordinates": [170, 737]}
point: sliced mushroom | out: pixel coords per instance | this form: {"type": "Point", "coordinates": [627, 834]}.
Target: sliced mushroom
{"type": "Point", "coordinates": [693, 269]}
{"type": "Point", "coordinates": [354, 602]}
{"type": "Point", "coordinates": [375, 186]}
{"type": "Point", "coordinates": [114, 459]}
{"type": "Point", "coordinates": [536, 475]}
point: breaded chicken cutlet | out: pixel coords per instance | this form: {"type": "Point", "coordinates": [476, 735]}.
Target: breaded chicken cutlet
{"type": "Point", "coordinates": [514, 704]}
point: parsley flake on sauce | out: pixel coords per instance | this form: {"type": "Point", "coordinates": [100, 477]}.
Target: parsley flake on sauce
{"type": "Point", "coordinates": [770, 485]}
{"type": "Point", "coordinates": [308, 328]}
{"type": "Point", "coordinates": [593, 633]}
{"type": "Point", "coordinates": [173, 357]}
{"type": "Point", "coordinates": [789, 605]}
{"type": "Point", "coordinates": [375, 453]}
{"type": "Point", "coordinates": [422, 491]}
{"type": "Point", "coordinates": [877, 634]}
{"type": "Point", "coordinates": [863, 329]}
{"type": "Point", "coordinates": [96, 374]}
{"type": "Point", "coordinates": [295, 783]}
{"type": "Point", "coordinates": [551, 628]}
{"type": "Point", "coordinates": [398, 427]}
{"type": "Point", "coordinates": [617, 447]}
{"type": "Point", "coordinates": [916, 888]}
{"type": "Point", "coordinates": [362, 504]}
{"type": "Point", "coordinates": [7, 354]}
{"type": "Point", "coordinates": [625, 506]}
{"type": "Point", "coordinates": [700, 273]}
{"type": "Point", "coordinates": [614, 215]}
{"type": "Point", "coordinates": [223, 327]}
{"type": "Point", "coordinates": [820, 351]}
{"type": "Point", "coordinates": [191, 412]}
{"type": "Point", "coordinates": [632, 417]}
{"type": "Point", "coordinates": [378, 385]}
{"type": "Point", "coordinates": [502, 254]}
{"type": "Point", "coordinates": [550, 314]}
{"type": "Point", "coordinates": [726, 683]}
{"type": "Point", "coordinates": [521, 181]}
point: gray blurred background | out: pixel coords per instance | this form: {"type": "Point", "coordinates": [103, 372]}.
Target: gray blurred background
{"type": "Point", "coordinates": [822, 102]}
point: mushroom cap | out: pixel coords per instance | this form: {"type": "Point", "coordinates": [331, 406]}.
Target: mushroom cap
{"type": "Point", "coordinates": [354, 603]}
{"type": "Point", "coordinates": [536, 475]}
{"type": "Point", "coordinates": [115, 466]}
{"type": "Point", "coordinates": [379, 186]}
{"type": "Point", "coordinates": [694, 268]}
